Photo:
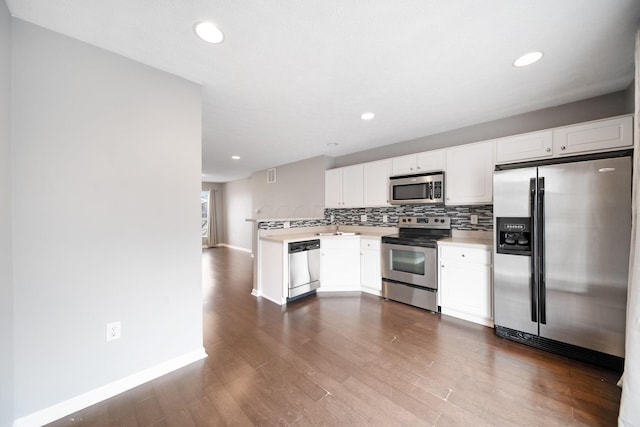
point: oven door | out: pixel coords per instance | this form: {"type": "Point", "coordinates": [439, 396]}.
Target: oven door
{"type": "Point", "coordinates": [409, 264]}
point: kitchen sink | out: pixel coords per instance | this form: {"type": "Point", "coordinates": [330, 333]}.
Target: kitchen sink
{"type": "Point", "coordinates": [338, 233]}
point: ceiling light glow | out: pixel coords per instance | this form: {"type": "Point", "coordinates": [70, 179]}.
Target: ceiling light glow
{"type": "Point", "coordinates": [527, 59]}
{"type": "Point", "coordinates": [208, 32]}
{"type": "Point", "coordinates": [235, 157]}
{"type": "Point", "coordinates": [367, 116]}
{"type": "Point", "coordinates": [332, 144]}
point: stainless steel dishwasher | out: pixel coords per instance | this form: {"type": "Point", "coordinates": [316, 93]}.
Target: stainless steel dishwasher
{"type": "Point", "coordinates": [304, 267]}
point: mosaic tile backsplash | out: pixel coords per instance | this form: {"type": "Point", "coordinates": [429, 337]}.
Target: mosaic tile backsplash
{"type": "Point", "coordinates": [460, 217]}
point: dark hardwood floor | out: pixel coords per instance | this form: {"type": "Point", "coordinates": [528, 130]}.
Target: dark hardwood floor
{"type": "Point", "coordinates": [344, 360]}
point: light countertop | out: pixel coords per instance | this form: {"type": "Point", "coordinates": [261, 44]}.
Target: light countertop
{"type": "Point", "coordinates": [476, 239]}
{"type": "Point", "coordinates": [312, 233]}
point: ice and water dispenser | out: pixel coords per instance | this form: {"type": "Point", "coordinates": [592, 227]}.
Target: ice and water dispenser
{"type": "Point", "coordinates": [514, 235]}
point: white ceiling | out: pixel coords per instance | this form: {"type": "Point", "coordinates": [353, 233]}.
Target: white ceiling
{"type": "Point", "coordinates": [294, 75]}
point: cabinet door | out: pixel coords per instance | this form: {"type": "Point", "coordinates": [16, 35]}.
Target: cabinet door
{"type": "Point", "coordinates": [469, 174]}
{"type": "Point", "coordinates": [531, 146]}
{"type": "Point", "coordinates": [352, 183]}
{"type": "Point", "coordinates": [376, 183]}
{"type": "Point", "coordinates": [404, 165]}
{"type": "Point", "coordinates": [594, 136]}
{"type": "Point", "coordinates": [333, 188]}
{"type": "Point", "coordinates": [340, 264]}
{"type": "Point", "coordinates": [430, 161]}
{"type": "Point", "coordinates": [466, 288]}
{"type": "Point", "coordinates": [370, 275]}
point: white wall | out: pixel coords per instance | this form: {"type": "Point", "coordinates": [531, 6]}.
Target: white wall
{"type": "Point", "coordinates": [298, 192]}
{"type": "Point", "coordinates": [237, 207]}
{"type": "Point", "coordinates": [106, 167]}
{"type": "Point", "coordinates": [6, 277]}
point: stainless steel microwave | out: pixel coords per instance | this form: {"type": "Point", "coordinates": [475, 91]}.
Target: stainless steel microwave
{"type": "Point", "coordinates": [426, 188]}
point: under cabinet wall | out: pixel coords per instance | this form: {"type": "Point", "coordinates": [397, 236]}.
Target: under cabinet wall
{"type": "Point", "coordinates": [460, 217]}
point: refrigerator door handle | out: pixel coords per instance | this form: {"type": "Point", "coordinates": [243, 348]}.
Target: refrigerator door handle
{"type": "Point", "coordinates": [540, 238]}
{"type": "Point", "coordinates": [533, 294]}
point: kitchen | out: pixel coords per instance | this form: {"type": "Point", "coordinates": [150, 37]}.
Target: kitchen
{"type": "Point", "coordinates": [158, 171]}
{"type": "Point", "coordinates": [431, 266]}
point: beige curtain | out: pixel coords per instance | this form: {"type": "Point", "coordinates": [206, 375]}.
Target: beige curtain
{"type": "Point", "coordinates": [630, 403]}
{"type": "Point", "coordinates": [213, 238]}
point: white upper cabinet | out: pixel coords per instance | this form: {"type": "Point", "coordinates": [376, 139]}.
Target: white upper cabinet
{"type": "Point", "coordinates": [469, 174]}
{"type": "Point", "coordinates": [376, 183]}
{"type": "Point", "coordinates": [428, 161]}
{"type": "Point", "coordinates": [469, 168]}
{"type": "Point", "coordinates": [343, 187]}
{"type": "Point", "coordinates": [600, 135]}
{"type": "Point", "coordinates": [431, 161]}
{"type": "Point", "coordinates": [333, 188]}
{"type": "Point", "coordinates": [352, 186]}
{"type": "Point", "coordinates": [404, 165]}
{"type": "Point", "coordinates": [536, 145]}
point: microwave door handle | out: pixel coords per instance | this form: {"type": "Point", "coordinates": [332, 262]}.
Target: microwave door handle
{"type": "Point", "coordinates": [430, 191]}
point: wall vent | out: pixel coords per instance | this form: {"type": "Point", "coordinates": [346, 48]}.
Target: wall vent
{"type": "Point", "coordinates": [271, 176]}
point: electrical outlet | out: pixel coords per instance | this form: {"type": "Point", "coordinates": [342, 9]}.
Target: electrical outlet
{"type": "Point", "coordinates": [114, 330]}
{"type": "Point", "coordinates": [286, 224]}
{"type": "Point", "coordinates": [363, 218]}
{"type": "Point", "coordinates": [385, 218]}
{"type": "Point", "coordinates": [474, 219]}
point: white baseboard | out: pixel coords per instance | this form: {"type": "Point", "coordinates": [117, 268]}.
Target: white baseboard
{"type": "Point", "coordinates": [238, 248]}
{"type": "Point", "coordinates": [468, 317]}
{"type": "Point", "coordinates": [67, 407]}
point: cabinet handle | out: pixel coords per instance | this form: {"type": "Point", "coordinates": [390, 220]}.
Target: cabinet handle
{"type": "Point", "coordinates": [463, 255]}
{"type": "Point", "coordinates": [563, 148]}
{"type": "Point", "coordinates": [548, 149]}
{"type": "Point", "coordinates": [418, 167]}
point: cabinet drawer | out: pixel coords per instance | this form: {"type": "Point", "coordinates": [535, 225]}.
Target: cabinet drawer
{"type": "Point", "coordinates": [370, 243]}
{"type": "Point", "coordinates": [465, 254]}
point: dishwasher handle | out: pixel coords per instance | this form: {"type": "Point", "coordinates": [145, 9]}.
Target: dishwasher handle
{"type": "Point", "coordinates": [307, 245]}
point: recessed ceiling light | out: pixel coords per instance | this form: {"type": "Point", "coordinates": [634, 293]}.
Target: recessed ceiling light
{"type": "Point", "coordinates": [208, 32]}
{"type": "Point", "coordinates": [367, 116]}
{"type": "Point", "coordinates": [527, 59]}
{"type": "Point", "coordinates": [332, 144]}
{"type": "Point", "coordinates": [235, 157]}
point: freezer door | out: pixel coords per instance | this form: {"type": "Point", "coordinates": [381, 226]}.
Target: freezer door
{"type": "Point", "coordinates": [514, 293]}
{"type": "Point", "coordinates": [587, 228]}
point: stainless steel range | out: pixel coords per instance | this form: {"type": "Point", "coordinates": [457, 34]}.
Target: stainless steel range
{"type": "Point", "coordinates": [410, 261]}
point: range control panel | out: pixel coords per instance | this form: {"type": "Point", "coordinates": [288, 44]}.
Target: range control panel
{"type": "Point", "coordinates": [439, 222]}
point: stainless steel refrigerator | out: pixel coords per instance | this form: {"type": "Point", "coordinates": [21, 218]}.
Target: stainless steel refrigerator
{"type": "Point", "coordinates": [561, 255]}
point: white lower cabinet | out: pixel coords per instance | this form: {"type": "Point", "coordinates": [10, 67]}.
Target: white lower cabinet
{"type": "Point", "coordinates": [370, 275]}
{"type": "Point", "coordinates": [340, 263]}
{"type": "Point", "coordinates": [465, 285]}
{"type": "Point", "coordinates": [273, 266]}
